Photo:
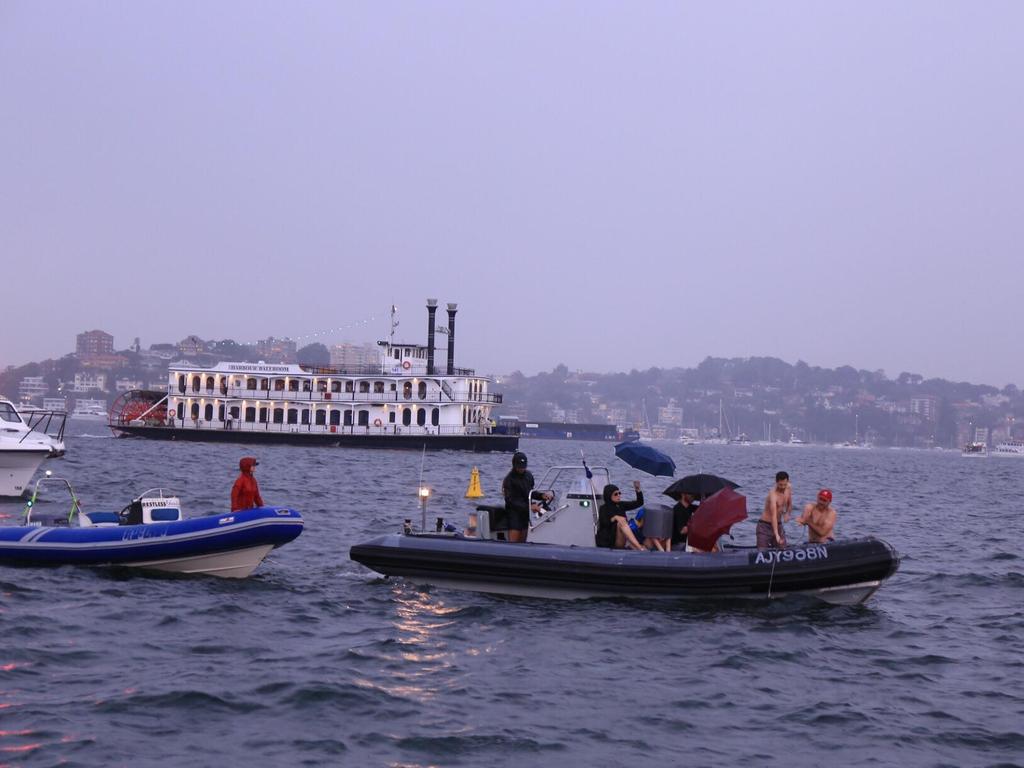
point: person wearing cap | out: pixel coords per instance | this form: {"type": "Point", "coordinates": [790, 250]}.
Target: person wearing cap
{"type": "Point", "coordinates": [245, 493]}
{"type": "Point", "coordinates": [612, 524]}
{"type": "Point", "coordinates": [820, 518]}
{"type": "Point", "coordinates": [777, 508]}
{"type": "Point", "coordinates": [517, 488]}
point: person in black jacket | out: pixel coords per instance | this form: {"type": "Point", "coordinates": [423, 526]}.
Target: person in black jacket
{"type": "Point", "coordinates": [612, 524]}
{"type": "Point", "coordinates": [681, 514]}
{"type": "Point", "coordinates": [517, 488]}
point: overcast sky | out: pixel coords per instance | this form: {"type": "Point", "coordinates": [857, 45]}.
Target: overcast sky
{"type": "Point", "coordinates": [608, 185]}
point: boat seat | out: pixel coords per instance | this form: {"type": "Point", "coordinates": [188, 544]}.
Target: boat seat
{"type": "Point", "coordinates": [103, 518]}
{"type": "Point", "coordinates": [496, 516]}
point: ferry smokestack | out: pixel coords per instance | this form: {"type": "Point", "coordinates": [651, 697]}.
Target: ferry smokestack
{"type": "Point", "coordinates": [451, 337]}
{"type": "Point", "coordinates": [431, 311]}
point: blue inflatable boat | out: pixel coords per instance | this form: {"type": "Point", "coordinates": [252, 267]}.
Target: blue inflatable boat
{"type": "Point", "coordinates": [149, 533]}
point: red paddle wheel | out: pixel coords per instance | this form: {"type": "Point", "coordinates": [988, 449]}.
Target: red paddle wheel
{"type": "Point", "coordinates": [139, 404]}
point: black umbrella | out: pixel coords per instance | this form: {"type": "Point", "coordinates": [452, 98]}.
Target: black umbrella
{"type": "Point", "coordinates": [698, 485]}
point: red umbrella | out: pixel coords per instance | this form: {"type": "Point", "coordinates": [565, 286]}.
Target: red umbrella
{"type": "Point", "coordinates": [714, 517]}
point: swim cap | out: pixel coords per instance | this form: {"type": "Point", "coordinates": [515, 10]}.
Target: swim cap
{"type": "Point", "coordinates": [825, 495]}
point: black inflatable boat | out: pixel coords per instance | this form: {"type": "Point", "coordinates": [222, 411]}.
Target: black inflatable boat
{"type": "Point", "coordinates": [843, 572]}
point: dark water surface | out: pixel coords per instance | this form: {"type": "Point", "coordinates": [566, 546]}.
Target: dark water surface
{"type": "Point", "coordinates": [314, 661]}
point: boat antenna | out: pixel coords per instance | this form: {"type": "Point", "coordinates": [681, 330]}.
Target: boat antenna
{"type": "Point", "coordinates": [420, 489]}
{"type": "Point", "coordinates": [590, 482]}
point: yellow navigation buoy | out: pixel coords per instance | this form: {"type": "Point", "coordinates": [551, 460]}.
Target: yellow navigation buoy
{"type": "Point", "coordinates": [474, 492]}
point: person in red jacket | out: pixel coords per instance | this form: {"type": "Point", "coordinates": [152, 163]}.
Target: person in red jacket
{"type": "Point", "coordinates": [245, 494]}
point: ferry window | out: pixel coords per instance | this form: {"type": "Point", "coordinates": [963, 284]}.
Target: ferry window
{"type": "Point", "coordinates": [364, 386]}
{"type": "Point", "coordinates": [293, 415]}
{"type": "Point", "coordinates": [422, 390]}
{"type": "Point", "coordinates": [307, 385]}
{"type": "Point", "coordinates": [234, 412]}
{"type": "Point", "coordinates": [391, 417]}
{"type": "Point", "coordinates": [406, 416]}
{"type": "Point", "coordinates": [220, 413]}
{"type": "Point", "coordinates": [348, 418]}
{"type": "Point", "coordinates": [349, 386]}
{"type": "Point", "coordinates": [209, 382]}
{"type": "Point", "coordinates": [265, 384]}
{"type": "Point", "coordinates": [250, 383]}
{"type": "Point", "coordinates": [421, 416]}
{"type": "Point", "coordinates": [293, 385]}
{"type": "Point", "coordinates": [208, 412]}
{"type": "Point", "coordinates": [394, 387]}
{"type": "Point", "coordinates": [364, 418]}
{"type": "Point", "coordinates": [335, 386]}
{"type": "Point", "coordinates": [335, 418]}
{"type": "Point", "coordinates": [305, 415]}
{"type": "Point", "coordinates": [195, 383]}
{"type": "Point", "coordinates": [181, 411]}
{"type": "Point", "coordinates": [250, 413]}
{"type": "Point", "coordinates": [407, 389]}
{"type": "Point", "coordinates": [397, 354]}
{"type": "Point", "coordinates": [194, 410]}
{"type": "Point", "coordinates": [435, 416]}
{"type": "Point", "coordinates": [321, 418]}
{"type": "Point", "coordinates": [279, 415]}
{"type": "Point", "coordinates": [378, 387]}
{"type": "Point", "coordinates": [279, 385]}
{"type": "Point", "coordinates": [181, 383]}
{"type": "Point", "coordinates": [223, 385]}
{"type": "Point", "coordinates": [263, 415]}
{"type": "Point", "coordinates": [321, 386]}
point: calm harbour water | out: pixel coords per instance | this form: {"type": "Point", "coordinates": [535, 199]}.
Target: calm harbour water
{"type": "Point", "coordinates": [315, 661]}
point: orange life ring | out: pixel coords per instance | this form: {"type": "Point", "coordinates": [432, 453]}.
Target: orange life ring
{"type": "Point", "coordinates": [407, 365]}
{"type": "Point", "coordinates": [376, 422]}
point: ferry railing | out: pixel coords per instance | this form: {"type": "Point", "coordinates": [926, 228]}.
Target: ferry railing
{"type": "Point", "coordinates": [331, 429]}
{"type": "Point", "coordinates": [304, 396]}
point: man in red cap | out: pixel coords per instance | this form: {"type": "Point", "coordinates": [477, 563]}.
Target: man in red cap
{"type": "Point", "coordinates": [245, 494]}
{"type": "Point", "coordinates": [820, 518]}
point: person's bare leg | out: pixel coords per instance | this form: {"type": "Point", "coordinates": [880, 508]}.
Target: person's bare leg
{"type": "Point", "coordinates": [516, 536]}
{"type": "Point", "coordinates": [627, 535]}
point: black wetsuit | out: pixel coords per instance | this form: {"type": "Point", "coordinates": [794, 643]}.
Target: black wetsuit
{"type": "Point", "coordinates": [516, 489]}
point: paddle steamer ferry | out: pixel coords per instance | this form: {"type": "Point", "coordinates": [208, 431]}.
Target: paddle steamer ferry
{"type": "Point", "coordinates": [405, 400]}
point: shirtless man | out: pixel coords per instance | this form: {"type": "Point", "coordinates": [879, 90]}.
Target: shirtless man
{"type": "Point", "coordinates": [777, 508]}
{"type": "Point", "coordinates": [820, 518]}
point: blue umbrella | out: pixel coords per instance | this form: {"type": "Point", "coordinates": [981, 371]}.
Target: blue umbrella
{"type": "Point", "coordinates": [645, 458]}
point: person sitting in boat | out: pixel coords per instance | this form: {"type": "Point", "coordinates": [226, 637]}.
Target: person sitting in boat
{"type": "Point", "coordinates": [245, 493]}
{"type": "Point", "coordinates": [820, 518]}
{"type": "Point", "coordinates": [613, 529]}
{"type": "Point", "coordinates": [681, 514]}
{"type": "Point", "coordinates": [517, 488]}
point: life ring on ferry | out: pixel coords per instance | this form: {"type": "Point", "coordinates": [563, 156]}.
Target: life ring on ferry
{"type": "Point", "coordinates": [377, 422]}
{"type": "Point", "coordinates": [406, 364]}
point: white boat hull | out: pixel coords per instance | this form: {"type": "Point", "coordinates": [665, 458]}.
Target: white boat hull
{"type": "Point", "coordinates": [236, 564]}
{"type": "Point", "coordinates": [17, 465]}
